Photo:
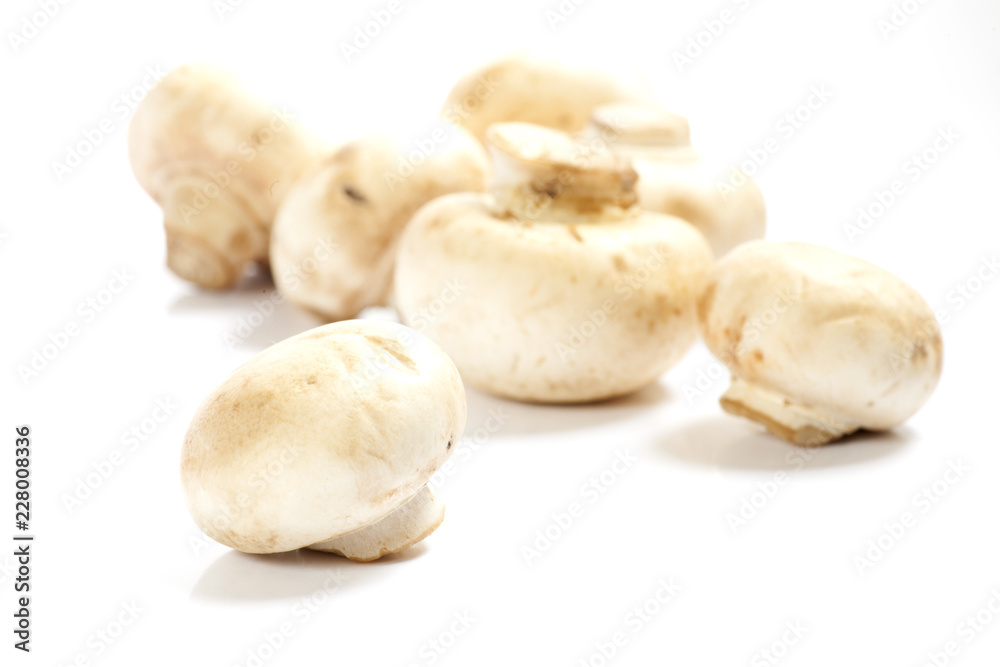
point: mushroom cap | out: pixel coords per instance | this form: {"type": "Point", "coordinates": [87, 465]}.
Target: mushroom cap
{"type": "Point", "coordinates": [551, 311]}
{"type": "Point", "coordinates": [320, 435]}
{"type": "Point", "coordinates": [218, 161]}
{"type": "Point", "coordinates": [198, 118]}
{"type": "Point", "coordinates": [334, 240]}
{"type": "Point", "coordinates": [821, 332]}
{"type": "Point", "coordinates": [531, 89]}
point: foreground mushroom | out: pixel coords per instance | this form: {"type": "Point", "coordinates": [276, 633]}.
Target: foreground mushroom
{"type": "Point", "coordinates": [218, 162]}
{"type": "Point", "coordinates": [334, 241]}
{"type": "Point", "coordinates": [673, 177]}
{"type": "Point", "coordinates": [530, 89]}
{"type": "Point", "coordinates": [819, 344]}
{"type": "Point", "coordinates": [557, 288]}
{"type": "Point", "coordinates": [326, 441]}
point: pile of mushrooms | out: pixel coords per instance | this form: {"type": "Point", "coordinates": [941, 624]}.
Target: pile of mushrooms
{"type": "Point", "coordinates": [565, 244]}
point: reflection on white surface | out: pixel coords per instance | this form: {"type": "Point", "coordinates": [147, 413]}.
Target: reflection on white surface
{"type": "Point", "coordinates": [537, 418]}
{"type": "Point", "coordinates": [238, 577]}
{"type": "Point", "coordinates": [729, 442]}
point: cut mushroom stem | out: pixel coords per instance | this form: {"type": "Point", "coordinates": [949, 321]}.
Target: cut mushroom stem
{"type": "Point", "coordinates": [544, 174]}
{"type": "Point", "coordinates": [560, 247]}
{"type": "Point", "coordinates": [813, 339]}
{"type": "Point", "coordinates": [787, 419]}
{"type": "Point", "coordinates": [401, 528]}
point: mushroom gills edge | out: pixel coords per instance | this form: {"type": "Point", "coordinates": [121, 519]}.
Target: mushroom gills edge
{"type": "Point", "coordinates": [791, 421]}
{"type": "Point", "coordinates": [408, 524]}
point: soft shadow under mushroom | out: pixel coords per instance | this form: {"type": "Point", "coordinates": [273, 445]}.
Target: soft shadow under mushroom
{"type": "Point", "coordinates": [259, 316]}
{"type": "Point", "coordinates": [236, 577]}
{"type": "Point", "coordinates": [529, 418]}
{"type": "Point", "coordinates": [256, 280]}
{"type": "Point", "coordinates": [725, 442]}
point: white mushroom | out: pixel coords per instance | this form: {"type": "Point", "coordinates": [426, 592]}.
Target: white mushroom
{"type": "Point", "coordinates": [333, 246]}
{"type": "Point", "coordinates": [673, 177]}
{"type": "Point", "coordinates": [557, 288]}
{"type": "Point", "coordinates": [530, 89]}
{"type": "Point", "coordinates": [218, 162]}
{"type": "Point", "coordinates": [326, 440]}
{"type": "Point", "coordinates": [819, 344]}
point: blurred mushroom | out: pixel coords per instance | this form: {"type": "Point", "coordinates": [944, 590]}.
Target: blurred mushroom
{"type": "Point", "coordinates": [530, 89]}
{"type": "Point", "coordinates": [673, 177]}
{"type": "Point", "coordinates": [334, 241]}
{"type": "Point", "coordinates": [218, 162]}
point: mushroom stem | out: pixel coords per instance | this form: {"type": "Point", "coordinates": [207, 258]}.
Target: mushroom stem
{"type": "Point", "coordinates": [417, 518]}
{"type": "Point", "coordinates": [209, 236]}
{"type": "Point", "coordinates": [544, 174]}
{"type": "Point", "coordinates": [799, 424]}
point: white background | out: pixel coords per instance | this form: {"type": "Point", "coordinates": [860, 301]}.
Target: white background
{"type": "Point", "coordinates": [132, 542]}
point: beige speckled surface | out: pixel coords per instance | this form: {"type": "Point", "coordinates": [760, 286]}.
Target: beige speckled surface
{"type": "Point", "coordinates": [829, 333]}
{"type": "Point", "coordinates": [320, 435]}
{"type": "Point", "coordinates": [334, 241]}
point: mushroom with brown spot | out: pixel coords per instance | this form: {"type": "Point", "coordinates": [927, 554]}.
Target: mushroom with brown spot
{"type": "Point", "coordinates": [556, 287]}
{"type": "Point", "coordinates": [825, 344]}
{"type": "Point", "coordinates": [326, 441]}
{"type": "Point", "coordinates": [334, 241]}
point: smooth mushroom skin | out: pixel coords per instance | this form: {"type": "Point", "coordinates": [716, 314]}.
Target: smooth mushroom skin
{"type": "Point", "coordinates": [416, 519]}
{"type": "Point", "coordinates": [331, 433]}
{"type": "Point", "coordinates": [555, 288]}
{"type": "Point", "coordinates": [531, 89]}
{"type": "Point", "coordinates": [334, 241]}
{"type": "Point", "coordinates": [218, 162]}
{"type": "Point", "coordinates": [673, 177]}
{"type": "Point", "coordinates": [819, 344]}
